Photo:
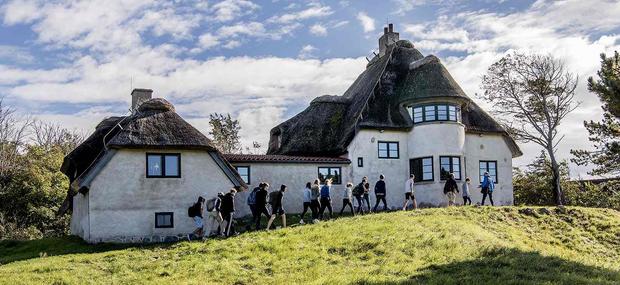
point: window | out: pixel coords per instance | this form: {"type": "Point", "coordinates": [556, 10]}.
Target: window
{"type": "Point", "coordinates": [360, 162]}
{"type": "Point", "coordinates": [164, 220]}
{"type": "Point", "coordinates": [422, 168]}
{"type": "Point", "coordinates": [435, 112]}
{"type": "Point", "coordinates": [489, 166]}
{"type": "Point", "coordinates": [244, 172]}
{"type": "Point", "coordinates": [332, 173]}
{"type": "Point", "coordinates": [418, 116]}
{"type": "Point", "coordinates": [450, 164]}
{"type": "Point", "coordinates": [388, 149]}
{"type": "Point", "coordinates": [163, 165]}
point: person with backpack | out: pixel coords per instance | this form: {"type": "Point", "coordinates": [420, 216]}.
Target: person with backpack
{"type": "Point", "coordinates": [358, 192]}
{"type": "Point", "coordinates": [251, 201]}
{"type": "Point", "coordinates": [410, 193]}
{"type": "Point", "coordinates": [366, 196]}
{"type": "Point", "coordinates": [315, 205]}
{"type": "Point", "coordinates": [450, 189]}
{"type": "Point", "coordinates": [195, 212]}
{"type": "Point", "coordinates": [307, 192]}
{"type": "Point", "coordinates": [261, 204]}
{"type": "Point", "coordinates": [347, 198]}
{"type": "Point", "coordinates": [380, 192]}
{"type": "Point", "coordinates": [214, 215]}
{"type": "Point", "coordinates": [277, 209]}
{"type": "Point", "coordinates": [466, 197]}
{"type": "Point", "coordinates": [228, 210]}
{"type": "Point", "coordinates": [326, 199]}
{"type": "Point", "coordinates": [487, 185]}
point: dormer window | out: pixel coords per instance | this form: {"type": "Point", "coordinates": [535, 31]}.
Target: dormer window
{"type": "Point", "coordinates": [435, 112]}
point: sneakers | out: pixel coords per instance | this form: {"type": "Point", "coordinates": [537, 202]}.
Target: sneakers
{"type": "Point", "coordinates": [301, 222]}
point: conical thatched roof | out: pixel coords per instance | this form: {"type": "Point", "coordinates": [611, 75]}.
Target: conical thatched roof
{"type": "Point", "coordinates": [375, 100]}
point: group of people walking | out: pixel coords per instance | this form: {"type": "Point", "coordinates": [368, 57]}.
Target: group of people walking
{"type": "Point", "coordinates": [316, 198]}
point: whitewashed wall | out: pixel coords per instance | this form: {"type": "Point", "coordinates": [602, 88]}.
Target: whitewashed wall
{"type": "Point", "coordinates": [490, 147]}
{"type": "Point", "coordinates": [79, 216]}
{"type": "Point", "coordinates": [123, 201]}
{"type": "Point", "coordinates": [294, 176]}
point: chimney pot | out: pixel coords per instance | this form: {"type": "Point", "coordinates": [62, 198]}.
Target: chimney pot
{"type": "Point", "coordinates": [138, 96]}
{"type": "Point", "coordinates": [391, 28]}
{"type": "Point", "coordinates": [385, 30]}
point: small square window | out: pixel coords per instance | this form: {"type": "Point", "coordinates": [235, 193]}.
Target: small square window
{"type": "Point", "coordinates": [387, 149]}
{"type": "Point", "coordinates": [164, 220]}
{"type": "Point", "coordinates": [244, 172]}
{"type": "Point", "coordinates": [163, 165]}
{"type": "Point", "coordinates": [422, 168]}
{"type": "Point", "coordinates": [360, 162]}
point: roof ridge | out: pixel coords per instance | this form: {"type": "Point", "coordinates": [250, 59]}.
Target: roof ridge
{"type": "Point", "coordinates": [427, 59]}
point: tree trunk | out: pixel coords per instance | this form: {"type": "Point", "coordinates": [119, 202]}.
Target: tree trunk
{"type": "Point", "coordinates": [557, 187]}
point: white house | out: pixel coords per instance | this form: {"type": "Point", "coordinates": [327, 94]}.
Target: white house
{"type": "Point", "coordinates": [133, 179]}
{"type": "Point", "coordinates": [404, 114]}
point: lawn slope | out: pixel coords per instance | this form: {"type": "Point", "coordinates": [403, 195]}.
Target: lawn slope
{"type": "Point", "coordinates": [506, 245]}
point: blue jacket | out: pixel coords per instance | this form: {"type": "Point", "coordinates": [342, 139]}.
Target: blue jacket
{"type": "Point", "coordinates": [488, 182]}
{"type": "Point", "coordinates": [325, 191]}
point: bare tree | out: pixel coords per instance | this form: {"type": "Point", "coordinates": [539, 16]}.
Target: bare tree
{"type": "Point", "coordinates": [48, 135]}
{"type": "Point", "coordinates": [13, 132]}
{"type": "Point", "coordinates": [533, 94]}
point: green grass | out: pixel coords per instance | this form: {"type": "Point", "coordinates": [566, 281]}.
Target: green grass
{"type": "Point", "coordinates": [479, 245]}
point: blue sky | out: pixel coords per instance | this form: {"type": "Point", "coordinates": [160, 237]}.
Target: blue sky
{"type": "Point", "coordinates": [74, 62]}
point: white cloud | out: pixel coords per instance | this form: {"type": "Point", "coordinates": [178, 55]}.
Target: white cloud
{"type": "Point", "coordinates": [228, 10]}
{"type": "Point", "coordinates": [208, 41]}
{"type": "Point", "coordinates": [314, 11]}
{"type": "Point", "coordinates": [15, 54]}
{"type": "Point", "coordinates": [307, 51]}
{"type": "Point", "coordinates": [255, 29]}
{"type": "Point", "coordinates": [318, 30]}
{"type": "Point", "coordinates": [367, 22]}
{"type": "Point", "coordinates": [232, 44]}
{"type": "Point", "coordinates": [340, 24]}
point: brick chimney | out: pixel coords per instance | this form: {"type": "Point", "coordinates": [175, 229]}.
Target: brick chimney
{"type": "Point", "coordinates": [389, 37]}
{"type": "Point", "coordinates": [139, 95]}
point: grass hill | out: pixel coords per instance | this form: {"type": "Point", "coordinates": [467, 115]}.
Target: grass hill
{"type": "Point", "coordinates": [505, 245]}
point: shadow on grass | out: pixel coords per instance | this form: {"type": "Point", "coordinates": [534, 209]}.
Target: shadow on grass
{"type": "Point", "coordinates": [511, 266]}
{"type": "Point", "coordinates": [12, 250]}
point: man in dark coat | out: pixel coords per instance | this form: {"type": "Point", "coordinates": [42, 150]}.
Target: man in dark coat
{"type": "Point", "coordinates": [228, 210]}
{"type": "Point", "coordinates": [380, 192]}
{"type": "Point", "coordinates": [450, 189]}
{"type": "Point", "coordinates": [261, 204]}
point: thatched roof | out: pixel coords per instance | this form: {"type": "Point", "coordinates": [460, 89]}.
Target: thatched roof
{"type": "Point", "coordinates": [275, 158]}
{"type": "Point", "coordinates": [155, 125]}
{"type": "Point", "coordinates": [376, 101]}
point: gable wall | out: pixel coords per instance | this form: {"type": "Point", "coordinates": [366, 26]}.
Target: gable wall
{"type": "Point", "coordinates": [123, 201]}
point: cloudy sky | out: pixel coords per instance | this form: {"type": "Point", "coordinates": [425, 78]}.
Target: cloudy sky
{"type": "Point", "coordinates": [75, 62]}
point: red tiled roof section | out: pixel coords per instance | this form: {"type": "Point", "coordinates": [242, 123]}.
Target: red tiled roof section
{"type": "Point", "coordinates": [275, 158]}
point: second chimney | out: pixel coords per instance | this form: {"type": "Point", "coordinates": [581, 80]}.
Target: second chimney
{"type": "Point", "coordinates": [138, 96]}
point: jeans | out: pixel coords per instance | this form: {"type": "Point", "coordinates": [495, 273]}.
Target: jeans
{"type": "Point", "coordinates": [306, 206]}
{"type": "Point", "coordinates": [484, 196]}
{"type": "Point", "coordinates": [466, 200]}
{"type": "Point", "coordinates": [346, 202]}
{"type": "Point", "coordinates": [367, 199]}
{"type": "Point", "coordinates": [314, 207]}
{"type": "Point", "coordinates": [326, 203]}
{"type": "Point", "coordinates": [360, 209]}
{"type": "Point", "coordinates": [379, 199]}
{"type": "Point", "coordinates": [260, 210]}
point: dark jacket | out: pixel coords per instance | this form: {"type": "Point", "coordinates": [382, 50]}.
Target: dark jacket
{"type": "Point", "coordinates": [450, 186]}
{"type": "Point", "coordinates": [261, 197]}
{"type": "Point", "coordinates": [366, 188]}
{"type": "Point", "coordinates": [197, 210]}
{"type": "Point", "coordinates": [325, 192]}
{"type": "Point", "coordinates": [228, 203]}
{"type": "Point", "coordinates": [277, 201]}
{"type": "Point", "coordinates": [380, 188]}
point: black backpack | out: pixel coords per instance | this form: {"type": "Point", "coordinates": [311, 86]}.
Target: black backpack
{"type": "Point", "coordinates": [272, 197]}
{"type": "Point", "coordinates": [191, 211]}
